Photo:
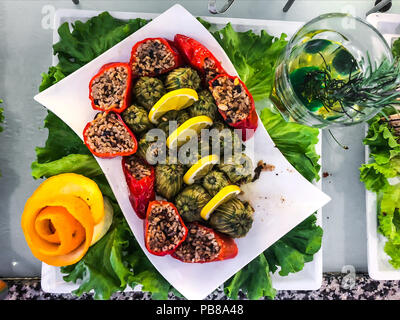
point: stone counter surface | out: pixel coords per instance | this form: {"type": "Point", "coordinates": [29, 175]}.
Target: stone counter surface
{"type": "Point", "coordinates": [335, 286]}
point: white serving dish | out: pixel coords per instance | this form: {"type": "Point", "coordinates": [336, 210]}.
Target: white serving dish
{"type": "Point", "coordinates": [379, 267]}
{"type": "Point", "coordinates": [301, 201]}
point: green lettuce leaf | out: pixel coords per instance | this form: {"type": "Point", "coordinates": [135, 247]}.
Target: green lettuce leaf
{"type": "Point", "coordinates": [295, 141]}
{"type": "Point", "coordinates": [375, 176]}
{"type": "Point", "coordinates": [254, 280]}
{"type": "Point", "coordinates": [384, 155]}
{"type": "Point", "coordinates": [396, 48]}
{"type": "Point", "coordinates": [384, 163]}
{"type": "Point", "coordinates": [53, 75]}
{"type": "Point", "coordinates": [61, 141]}
{"type": "Point", "coordinates": [382, 141]}
{"type": "Point", "coordinates": [90, 39]}
{"type": "Point", "coordinates": [108, 268]}
{"type": "Point", "coordinates": [253, 56]}
{"type": "Point", "coordinates": [97, 268]}
{"type": "Point", "coordinates": [74, 163]}
{"type": "Point", "coordinates": [389, 216]}
{"type": "Point", "coordinates": [393, 251]}
{"type": "Point", "coordinates": [296, 248]}
{"type": "Point", "coordinates": [389, 221]}
{"type": "Point", "coordinates": [117, 260]}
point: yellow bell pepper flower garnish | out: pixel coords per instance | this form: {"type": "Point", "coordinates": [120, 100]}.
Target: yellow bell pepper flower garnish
{"type": "Point", "coordinates": [64, 217]}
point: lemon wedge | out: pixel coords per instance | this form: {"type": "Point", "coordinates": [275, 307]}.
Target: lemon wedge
{"type": "Point", "coordinates": [225, 194]}
{"type": "Point", "coordinates": [188, 130]}
{"type": "Point", "coordinates": [200, 168]}
{"type": "Point", "coordinates": [174, 100]}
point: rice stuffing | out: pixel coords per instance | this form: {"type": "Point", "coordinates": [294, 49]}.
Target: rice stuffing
{"type": "Point", "coordinates": [165, 230]}
{"type": "Point", "coordinates": [137, 168]}
{"type": "Point", "coordinates": [199, 246]}
{"type": "Point", "coordinates": [109, 89]}
{"type": "Point", "coordinates": [108, 135]}
{"type": "Point", "coordinates": [231, 98]}
{"type": "Point", "coordinates": [152, 57]}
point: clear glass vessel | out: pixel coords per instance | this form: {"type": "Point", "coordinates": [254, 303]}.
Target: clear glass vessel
{"type": "Point", "coordinates": [344, 44]}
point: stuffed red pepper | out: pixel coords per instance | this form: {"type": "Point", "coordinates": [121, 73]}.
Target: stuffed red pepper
{"type": "Point", "coordinates": [107, 136]}
{"type": "Point", "coordinates": [203, 245]}
{"type": "Point", "coordinates": [154, 56]}
{"type": "Point", "coordinates": [235, 104]}
{"type": "Point", "coordinates": [140, 178]}
{"type": "Point", "coordinates": [110, 88]}
{"type": "Point", "coordinates": [198, 56]}
{"type": "Point", "coordinates": [164, 228]}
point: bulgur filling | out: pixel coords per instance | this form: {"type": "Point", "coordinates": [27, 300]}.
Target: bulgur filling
{"type": "Point", "coordinates": [137, 168]}
{"type": "Point", "coordinates": [199, 246]}
{"type": "Point", "coordinates": [152, 56]}
{"type": "Point", "coordinates": [109, 89]}
{"type": "Point", "coordinates": [231, 98]}
{"type": "Point", "coordinates": [108, 135]}
{"type": "Point", "coordinates": [210, 70]}
{"type": "Point", "coordinates": [165, 230]}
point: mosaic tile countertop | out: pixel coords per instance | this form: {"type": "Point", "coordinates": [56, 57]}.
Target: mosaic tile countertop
{"type": "Point", "coordinates": [335, 286]}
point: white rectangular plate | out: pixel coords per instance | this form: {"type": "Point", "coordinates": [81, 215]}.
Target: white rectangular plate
{"type": "Point", "coordinates": [379, 267]}
{"type": "Point", "coordinates": [273, 218]}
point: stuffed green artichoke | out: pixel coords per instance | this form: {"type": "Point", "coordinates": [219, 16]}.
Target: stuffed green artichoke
{"type": "Point", "coordinates": [233, 218]}
{"type": "Point", "coordinates": [136, 118]}
{"type": "Point", "coordinates": [182, 78]}
{"type": "Point", "coordinates": [169, 178]}
{"type": "Point", "coordinates": [190, 202]}
{"type": "Point", "coordinates": [147, 91]}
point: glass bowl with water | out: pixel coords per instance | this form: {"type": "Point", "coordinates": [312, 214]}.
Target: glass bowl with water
{"type": "Point", "coordinates": [340, 45]}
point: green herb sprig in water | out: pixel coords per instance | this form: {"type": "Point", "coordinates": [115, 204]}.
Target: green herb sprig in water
{"type": "Point", "coordinates": [376, 88]}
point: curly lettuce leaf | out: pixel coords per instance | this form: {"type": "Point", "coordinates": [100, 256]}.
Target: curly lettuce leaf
{"type": "Point", "coordinates": [295, 141]}
{"type": "Point", "coordinates": [88, 40]}
{"type": "Point", "coordinates": [77, 163]}
{"type": "Point", "coordinates": [384, 155]}
{"type": "Point", "coordinates": [297, 247]}
{"type": "Point", "coordinates": [61, 141]}
{"type": "Point", "coordinates": [254, 280]}
{"type": "Point", "coordinates": [393, 251]}
{"type": "Point", "coordinates": [389, 221]}
{"type": "Point", "coordinates": [396, 48]}
{"type": "Point", "coordinates": [375, 176]}
{"type": "Point", "coordinates": [254, 57]}
{"type": "Point", "coordinates": [53, 75]}
{"type": "Point", "coordinates": [382, 141]}
{"type": "Point", "coordinates": [384, 163]}
{"type": "Point", "coordinates": [117, 260]}
{"type": "Point", "coordinates": [389, 216]}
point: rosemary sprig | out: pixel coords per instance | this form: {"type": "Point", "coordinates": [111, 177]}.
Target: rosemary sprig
{"type": "Point", "coordinates": [376, 88]}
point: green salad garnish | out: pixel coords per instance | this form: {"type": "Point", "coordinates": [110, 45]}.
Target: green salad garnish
{"type": "Point", "coordinates": [117, 260]}
{"type": "Point", "coordinates": [396, 48]}
{"type": "Point", "coordinates": [384, 164]}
